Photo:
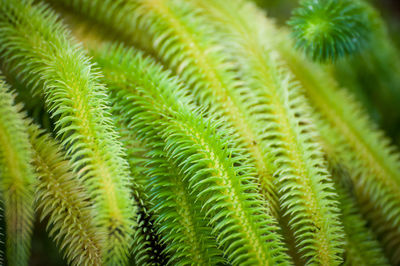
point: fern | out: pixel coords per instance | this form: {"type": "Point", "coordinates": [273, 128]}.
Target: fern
{"type": "Point", "coordinates": [362, 247]}
{"type": "Point", "coordinates": [298, 155]}
{"type": "Point", "coordinates": [147, 247]}
{"type": "Point", "coordinates": [202, 154]}
{"type": "Point", "coordinates": [388, 234]}
{"type": "Point", "coordinates": [186, 236]}
{"type": "Point", "coordinates": [362, 148]}
{"type": "Point", "coordinates": [179, 30]}
{"type": "Point", "coordinates": [350, 135]}
{"type": "Point", "coordinates": [143, 24]}
{"type": "Point", "coordinates": [330, 29]}
{"type": "Point", "coordinates": [214, 141]}
{"type": "Point", "coordinates": [191, 241]}
{"type": "Point", "coordinates": [35, 43]}
{"type": "Point", "coordinates": [62, 198]}
{"type": "Point", "coordinates": [17, 179]}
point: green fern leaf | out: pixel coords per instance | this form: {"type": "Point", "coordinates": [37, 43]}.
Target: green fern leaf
{"type": "Point", "coordinates": [350, 136]}
{"type": "Point", "coordinates": [147, 247]}
{"type": "Point", "coordinates": [206, 73]}
{"type": "Point", "coordinates": [17, 179]}
{"type": "Point", "coordinates": [362, 247]}
{"type": "Point", "coordinates": [178, 30]}
{"type": "Point", "coordinates": [37, 47]}
{"type": "Point", "coordinates": [187, 237]}
{"type": "Point", "coordinates": [303, 180]}
{"type": "Point", "coordinates": [158, 107]}
{"type": "Point", "coordinates": [61, 197]}
{"type": "Point", "coordinates": [191, 239]}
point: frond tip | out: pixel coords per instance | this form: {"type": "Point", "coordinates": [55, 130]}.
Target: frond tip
{"type": "Point", "coordinates": [330, 29]}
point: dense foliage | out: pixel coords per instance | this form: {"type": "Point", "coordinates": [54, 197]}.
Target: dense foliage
{"type": "Point", "coordinates": [176, 132]}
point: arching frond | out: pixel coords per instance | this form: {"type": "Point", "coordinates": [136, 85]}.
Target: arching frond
{"type": "Point", "coordinates": [304, 183]}
{"type": "Point", "coordinates": [350, 136]}
{"type": "Point", "coordinates": [206, 159]}
{"type": "Point", "coordinates": [147, 248]}
{"type": "Point", "coordinates": [178, 219]}
{"type": "Point", "coordinates": [62, 198]}
{"type": "Point", "coordinates": [361, 245]}
{"type": "Point", "coordinates": [39, 51]}
{"type": "Point", "coordinates": [354, 140]}
{"type": "Point", "coordinates": [17, 179]}
{"type": "Point", "coordinates": [214, 141]}
{"type": "Point", "coordinates": [376, 192]}
{"type": "Point", "coordinates": [158, 29]}
{"type": "Point", "coordinates": [189, 241]}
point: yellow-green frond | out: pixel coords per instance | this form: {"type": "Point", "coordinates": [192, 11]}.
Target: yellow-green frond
{"type": "Point", "coordinates": [17, 179]}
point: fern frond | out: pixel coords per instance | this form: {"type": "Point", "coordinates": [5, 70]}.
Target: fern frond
{"type": "Point", "coordinates": [304, 183]}
{"type": "Point", "coordinates": [362, 247]}
{"type": "Point", "coordinates": [34, 44]}
{"type": "Point", "coordinates": [227, 193]}
{"type": "Point", "coordinates": [201, 67]}
{"type": "Point", "coordinates": [191, 240]}
{"type": "Point", "coordinates": [330, 29]}
{"type": "Point", "coordinates": [386, 233]}
{"type": "Point", "coordinates": [34, 106]}
{"type": "Point", "coordinates": [349, 135]}
{"type": "Point", "coordinates": [147, 248]}
{"type": "Point", "coordinates": [61, 197]}
{"type": "Point", "coordinates": [179, 31]}
{"type": "Point", "coordinates": [186, 235]}
{"type": "Point", "coordinates": [17, 179]}
{"type": "Point", "coordinates": [382, 224]}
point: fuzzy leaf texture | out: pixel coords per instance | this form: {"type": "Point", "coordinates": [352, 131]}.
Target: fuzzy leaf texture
{"type": "Point", "coordinates": [17, 179]}
{"type": "Point", "coordinates": [189, 240]}
{"type": "Point", "coordinates": [34, 44]}
{"type": "Point", "coordinates": [195, 133]}
{"type": "Point", "coordinates": [362, 247]}
{"type": "Point", "coordinates": [147, 247]}
{"type": "Point", "coordinates": [204, 70]}
{"type": "Point", "coordinates": [305, 186]}
{"type": "Point", "coordinates": [173, 28]}
{"type": "Point", "coordinates": [351, 137]}
{"type": "Point", "coordinates": [62, 197]}
{"type": "Point", "coordinates": [202, 155]}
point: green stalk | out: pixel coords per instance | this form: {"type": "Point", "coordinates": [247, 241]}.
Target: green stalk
{"type": "Point", "coordinates": [178, 219]}
{"type": "Point", "coordinates": [346, 132]}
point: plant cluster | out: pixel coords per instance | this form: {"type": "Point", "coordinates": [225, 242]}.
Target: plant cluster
{"type": "Point", "coordinates": [175, 132]}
